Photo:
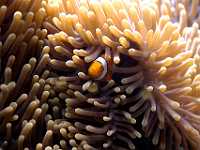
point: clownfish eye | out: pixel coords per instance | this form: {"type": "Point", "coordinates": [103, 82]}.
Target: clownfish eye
{"type": "Point", "coordinates": [98, 68]}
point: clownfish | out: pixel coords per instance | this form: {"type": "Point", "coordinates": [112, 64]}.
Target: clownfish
{"type": "Point", "coordinates": [99, 69]}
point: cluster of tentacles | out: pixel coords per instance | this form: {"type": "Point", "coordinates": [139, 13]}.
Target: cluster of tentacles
{"type": "Point", "coordinates": [150, 92]}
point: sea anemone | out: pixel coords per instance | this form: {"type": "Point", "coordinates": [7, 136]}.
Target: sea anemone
{"type": "Point", "coordinates": [99, 74]}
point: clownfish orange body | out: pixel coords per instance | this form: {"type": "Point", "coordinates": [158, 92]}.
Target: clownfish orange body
{"type": "Point", "coordinates": [99, 69]}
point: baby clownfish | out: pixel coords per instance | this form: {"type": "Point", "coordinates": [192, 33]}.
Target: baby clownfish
{"type": "Point", "coordinates": [99, 69]}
